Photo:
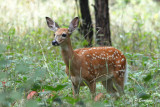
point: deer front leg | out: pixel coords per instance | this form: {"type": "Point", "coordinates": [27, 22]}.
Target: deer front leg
{"type": "Point", "coordinates": [119, 80]}
{"type": "Point", "coordinates": [92, 88]}
{"type": "Point", "coordinates": [75, 90]}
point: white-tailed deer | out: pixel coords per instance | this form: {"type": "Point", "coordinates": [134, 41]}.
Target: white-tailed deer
{"type": "Point", "coordinates": [89, 65]}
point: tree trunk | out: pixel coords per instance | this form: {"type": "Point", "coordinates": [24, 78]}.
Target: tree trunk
{"type": "Point", "coordinates": [157, 0]}
{"type": "Point", "coordinates": [86, 26]}
{"type": "Point", "coordinates": [103, 36]}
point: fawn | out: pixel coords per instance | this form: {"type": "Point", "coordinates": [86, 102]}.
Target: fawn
{"type": "Point", "coordinates": [90, 65]}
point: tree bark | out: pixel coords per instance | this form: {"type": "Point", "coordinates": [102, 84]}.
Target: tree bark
{"type": "Point", "coordinates": [103, 35]}
{"type": "Point", "coordinates": [86, 25]}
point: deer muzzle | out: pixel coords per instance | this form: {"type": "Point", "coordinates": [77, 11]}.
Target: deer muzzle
{"type": "Point", "coordinates": [55, 43]}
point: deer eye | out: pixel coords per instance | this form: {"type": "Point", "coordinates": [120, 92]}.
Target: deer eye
{"type": "Point", "coordinates": [64, 35]}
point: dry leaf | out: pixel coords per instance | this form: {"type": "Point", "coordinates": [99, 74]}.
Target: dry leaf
{"type": "Point", "coordinates": [31, 95]}
{"type": "Point", "coordinates": [98, 97]}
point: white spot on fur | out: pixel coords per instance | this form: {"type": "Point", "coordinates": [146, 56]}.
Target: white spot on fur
{"type": "Point", "coordinates": [110, 51]}
{"type": "Point", "coordinates": [86, 63]}
{"type": "Point", "coordinates": [119, 65]}
{"type": "Point", "coordinates": [122, 59]}
{"type": "Point", "coordinates": [118, 61]}
{"type": "Point", "coordinates": [88, 55]}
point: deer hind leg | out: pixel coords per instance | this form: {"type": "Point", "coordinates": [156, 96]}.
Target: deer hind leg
{"type": "Point", "coordinates": [108, 85]}
{"type": "Point", "coordinates": [119, 84]}
{"type": "Point", "coordinates": [92, 88]}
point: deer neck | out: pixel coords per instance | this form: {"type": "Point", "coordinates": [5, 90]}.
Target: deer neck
{"type": "Point", "coordinates": [69, 56]}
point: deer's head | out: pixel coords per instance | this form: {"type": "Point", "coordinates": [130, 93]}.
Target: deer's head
{"type": "Point", "coordinates": [62, 35]}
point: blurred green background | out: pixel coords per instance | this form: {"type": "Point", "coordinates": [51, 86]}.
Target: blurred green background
{"type": "Point", "coordinates": [28, 61]}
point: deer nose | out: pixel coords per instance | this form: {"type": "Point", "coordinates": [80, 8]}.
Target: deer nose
{"type": "Point", "coordinates": [55, 43]}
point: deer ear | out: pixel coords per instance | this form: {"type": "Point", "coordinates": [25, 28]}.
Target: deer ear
{"type": "Point", "coordinates": [73, 25]}
{"type": "Point", "coordinates": [51, 24]}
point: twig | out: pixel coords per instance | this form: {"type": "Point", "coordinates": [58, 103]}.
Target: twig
{"type": "Point", "coordinates": [136, 82]}
{"type": "Point", "coordinates": [45, 61]}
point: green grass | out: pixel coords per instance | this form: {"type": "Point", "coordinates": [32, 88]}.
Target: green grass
{"type": "Point", "coordinates": [28, 61]}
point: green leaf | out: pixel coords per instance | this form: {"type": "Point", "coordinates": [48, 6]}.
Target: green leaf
{"type": "Point", "coordinates": [24, 78]}
{"type": "Point", "coordinates": [148, 77]}
{"type": "Point", "coordinates": [85, 43]}
{"type": "Point", "coordinates": [18, 81]}
{"type": "Point", "coordinates": [131, 89]}
{"type": "Point", "coordinates": [11, 31]}
{"type": "Point", "coordinates": [49, 88]}
{"type": "Point", "coordinates": [144, 96]}
{"type": "Point", "coordinates": [70, 100]}
{"type": "Point", "coordinates": [59, 87]}
{"type": "Point", "coordinates": [36, 86]}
